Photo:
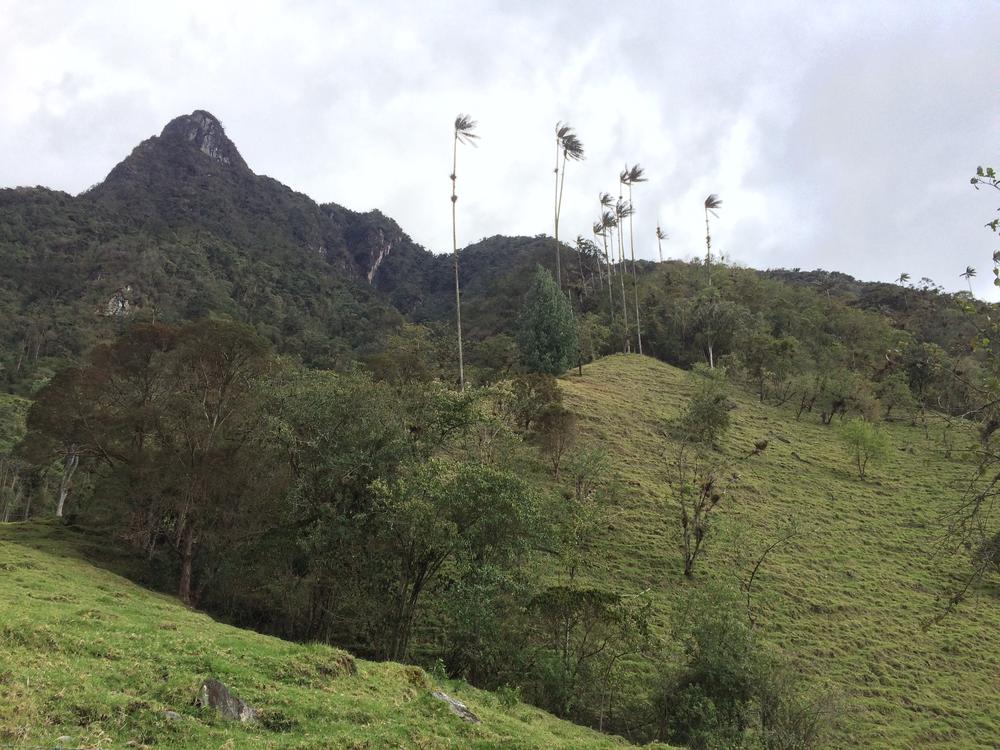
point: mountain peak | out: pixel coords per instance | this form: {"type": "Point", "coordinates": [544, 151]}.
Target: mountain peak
{"type": "Point", "coordinates": [203, 130]}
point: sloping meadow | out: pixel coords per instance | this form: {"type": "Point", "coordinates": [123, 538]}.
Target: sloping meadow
{"type": "Point", "coordinates": [846, 597]}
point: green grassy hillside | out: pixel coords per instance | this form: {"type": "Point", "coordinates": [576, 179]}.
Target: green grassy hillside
{"type": "Point", "coordinates": [846, 598]}
{"type": "Point", "coordinates": [88, 655]}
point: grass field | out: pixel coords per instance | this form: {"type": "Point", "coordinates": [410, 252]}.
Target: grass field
{"type": "Point", "coordinates": [89, 656]}
{"type": "Point", "coordinates": [845, 599]}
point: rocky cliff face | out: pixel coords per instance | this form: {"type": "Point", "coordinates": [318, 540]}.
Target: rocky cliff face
{"type": "Point", "coordinates": [204, 131]}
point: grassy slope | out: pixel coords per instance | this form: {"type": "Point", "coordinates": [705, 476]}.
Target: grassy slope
{"type": "Point", "coordinates": [844, 601]}
{"type": "Point", "coordinates": [87, 654]}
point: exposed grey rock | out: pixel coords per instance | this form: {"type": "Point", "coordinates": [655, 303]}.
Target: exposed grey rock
{"type": "Point", "coordinates": [215, 695]}
{"type": "Point", "coordinates": [171, 716]}
{"type": "Point", "coordinates": [63, 741]}
{"type": "Point", "coordinates": [119, 305]}
{"type": "Point", "coordinates": [457, 707]}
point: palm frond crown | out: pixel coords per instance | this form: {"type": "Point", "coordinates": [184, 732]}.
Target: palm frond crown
{"type": "Point", "coordinates": [464, 125]}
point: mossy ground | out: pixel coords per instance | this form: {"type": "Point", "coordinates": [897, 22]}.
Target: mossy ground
{"type": "Point", "coordinates": [844, 600]}
{"type": "Point", "coordinates": [86, 654]}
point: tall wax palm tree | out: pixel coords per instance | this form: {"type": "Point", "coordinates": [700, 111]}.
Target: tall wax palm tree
{"type": "Point", "coordinates": [570, 148]}
{"type": "Point", "coordinates": [660, 236]}
{"type": "Point", "coordinates": [969, 275]}
{"type": "Point", "coordinates": [622, 211]}
{"type": "Point", "coordinates": [712, 203]}
{"type": "Point", "coordinates": [601, 230]}
{"type": "Point", "coordinates": [903, 278]}
{"type": "Point", "coordinates": [464, 125]}
{"type": "Point", "coordinates": [632, 176]}
{"type": "Point", "coordinates": [607, 204]}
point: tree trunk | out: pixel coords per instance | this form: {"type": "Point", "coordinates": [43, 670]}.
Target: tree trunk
{"type": "Point", "coordinates": [454, 246]}
{"type": "Point", "coordinates": [635, 278]}
{"type": "Point", "coordinates": [187, 563]}
{"type": "Point", "coordinates": [70, 463]}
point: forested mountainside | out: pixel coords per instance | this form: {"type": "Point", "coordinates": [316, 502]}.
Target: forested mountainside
{"type": "Point", "coordinates": [179, 230]}
{"type": "Point", "coordinates": [183, 228]}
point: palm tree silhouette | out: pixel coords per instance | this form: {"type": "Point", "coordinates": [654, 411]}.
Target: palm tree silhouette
{"type": "Point", "coordinates": [569, 146]}
{"type": "Point", "coordinates": [660, 236]}
{"type": "Point", "coordinates": [601, 230]}
{"type": "Point", "coordinates": [632, 176]}
{"type": "Point", "coordinates": [622, 211]}
{"type": "Point", "coordinates": [903, 278]}
{"type": "Point", "coordinates": [712, 203]}
{"type": "Point", "coordinates": [968, 275]}
{"type": "Point", "coordinates": [464, 125]}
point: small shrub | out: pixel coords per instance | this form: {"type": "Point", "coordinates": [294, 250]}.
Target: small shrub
{"type": "Point", "coordinates": [706, 419]}
{"type": "Point", "coordinates": [866, 443]}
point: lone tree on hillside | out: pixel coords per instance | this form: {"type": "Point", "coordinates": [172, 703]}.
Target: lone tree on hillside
{"type": "Point", "coordinates": [464, 125]}
{"type": "Point", "coordinates": [866, 443]}
{"type": "Point", "coordinates": [546, 331]}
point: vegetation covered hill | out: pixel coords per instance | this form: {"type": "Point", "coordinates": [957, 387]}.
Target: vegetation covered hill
{"type": "Point", "coordinates": [87, 655]}
{"type": "Point", "coordinates": [846, 597]}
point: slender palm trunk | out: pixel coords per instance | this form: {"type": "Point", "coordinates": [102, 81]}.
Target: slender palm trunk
{"type": "Point", "coordinates": [708, 249]}
{"type": "Point", "coordinates": [635, 278]}
{"type": "Point", "coordinates": [659, 245]}
{"type": "Point", "coordinates": [621, 277]}
{"type": "Point", "coordinates": [611, 301]}
{"type": "Point", "coordinates": [556, 211]}
{"type": "Point", "coordinates": [708, 267]}
{"type": "Point", "coordinates": [454, 246]}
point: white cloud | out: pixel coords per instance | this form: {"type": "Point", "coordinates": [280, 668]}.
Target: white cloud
{"type": "Point", "coordinates": [839, 136]}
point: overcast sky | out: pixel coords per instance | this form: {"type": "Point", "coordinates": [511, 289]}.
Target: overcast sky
{"type": "Point", "coordinates": [839, 135]}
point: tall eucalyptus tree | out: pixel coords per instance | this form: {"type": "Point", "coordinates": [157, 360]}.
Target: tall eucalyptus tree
{"type": "Point", "coordinates": [464, 125]}
{"type": "Point", "coordinates": [568, 145]}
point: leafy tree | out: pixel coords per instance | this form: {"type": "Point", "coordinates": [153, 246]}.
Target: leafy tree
{"type": "Point", "coordinates": [437, 513]}
{"type": "Point", "coordinates": [725, 690]}
{"type": "Point", "coordinates": [170, 417]}
{"type": "Point", "coordinates": [547, 333]}
{"type": "Point", "coordinates": [866, 443]}
{"type": "Point", "coordinates": [716, 321]}
{"type": "Point", "coordinates": [894, 393]}
{"type": "Point", "coordinates": [706, 418]}
{"type": "Point", "coordinates": [555, 431]}
{"type": "Point", "coordinates": [464, 125]}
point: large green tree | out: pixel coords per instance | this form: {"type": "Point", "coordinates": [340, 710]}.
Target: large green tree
{"type": "Point", "coordinates": [546, 332]}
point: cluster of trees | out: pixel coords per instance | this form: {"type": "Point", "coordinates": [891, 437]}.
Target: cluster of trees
{"type": "Point", "coordinates": [393, 516]}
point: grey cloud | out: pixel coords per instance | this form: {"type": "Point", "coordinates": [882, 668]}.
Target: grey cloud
{"type": "Point", "coordinates": [840, 135]}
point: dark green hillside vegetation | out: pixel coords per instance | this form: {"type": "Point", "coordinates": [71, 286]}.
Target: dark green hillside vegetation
{"type": "Point", "coordinates": [89, 656]}
{"type": "Point", "coordinates": [179, 230]}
